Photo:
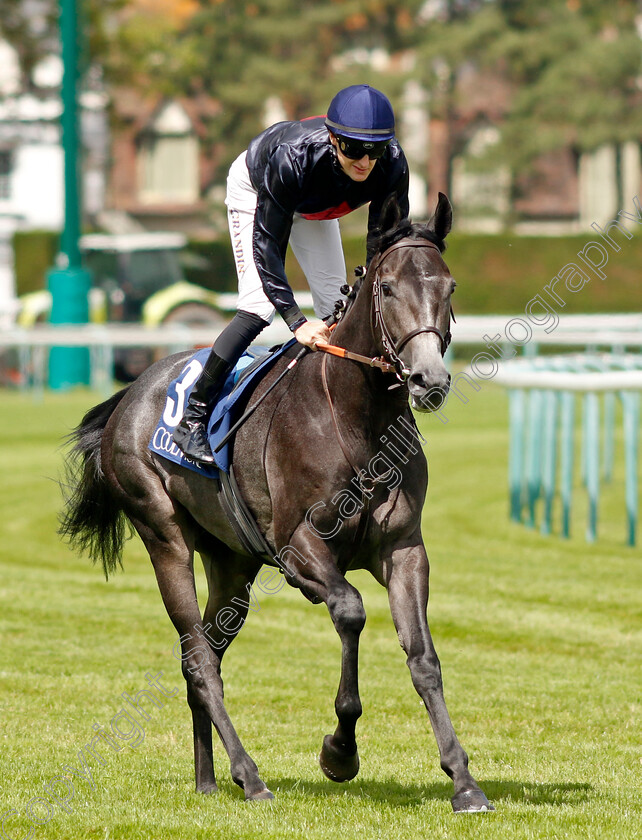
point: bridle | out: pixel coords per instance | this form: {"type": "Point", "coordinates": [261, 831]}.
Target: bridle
{"type": "Point", "coordinates": [392, 349]}
{"type": "Point", "coordinates": [390, 362]}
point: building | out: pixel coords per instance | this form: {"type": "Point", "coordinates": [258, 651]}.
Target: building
{"type": "Point", "coordinates": [31, 157]}
{"type": "Point", "coordinates": [564, 191]}
{"type": "Point", "coordinates": [161, 163]}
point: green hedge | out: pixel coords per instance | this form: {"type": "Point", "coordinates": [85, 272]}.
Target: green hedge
{"type": "Point", "coordinates": [500, 274]}
{"type": "Point", "coordinates": [495, 274]}
{"type": "Point", "coordinates": [35, 252]}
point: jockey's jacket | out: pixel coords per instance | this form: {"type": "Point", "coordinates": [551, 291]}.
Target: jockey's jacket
{"type": "Point", "coordinates": [294, 168]}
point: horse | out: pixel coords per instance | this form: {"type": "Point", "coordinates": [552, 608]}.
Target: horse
{"type": "Point", "coordinates": [333, 477]}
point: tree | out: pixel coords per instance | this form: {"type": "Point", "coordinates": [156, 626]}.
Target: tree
{"type": "Point", "coordinates": [29, 26]}
{"type": "Point", "coordinates": [243, 53]}
{"type": "Point", "coordinates": [574, 67]}
{"type": "Point", "coordinates": [577, 72]}
{"type": "Point", "coordinates": [32, 28]}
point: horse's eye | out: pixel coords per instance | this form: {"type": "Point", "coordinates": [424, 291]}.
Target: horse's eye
{"type": "Point", "coordinates": [385, 288]}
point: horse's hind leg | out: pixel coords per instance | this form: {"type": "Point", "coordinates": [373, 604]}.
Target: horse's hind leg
{"type": "Point", "coordinates": [408, 594]}
{"type": "Point", "coordinates": [203, 750]}
{"type": "Point", "coordinates": [171, 548]}
{"type": "Point", "coordinates": [229, 581]}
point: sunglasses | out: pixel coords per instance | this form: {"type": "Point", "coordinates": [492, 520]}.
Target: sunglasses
{"type": "Point", "coordinates": [356, 149]}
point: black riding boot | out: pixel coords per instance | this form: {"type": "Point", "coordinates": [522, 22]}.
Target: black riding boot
{"type": "Point", "coordinates": [191, 433]}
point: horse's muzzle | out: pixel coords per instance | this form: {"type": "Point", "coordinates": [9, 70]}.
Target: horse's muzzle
{"type": "Point", "coordinates": [428, 391]}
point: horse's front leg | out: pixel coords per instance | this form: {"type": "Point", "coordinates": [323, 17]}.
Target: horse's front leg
{"type": "Point", "coordinates": [312, 568]}
{"type": "Point", "coordinates": [407, 583]}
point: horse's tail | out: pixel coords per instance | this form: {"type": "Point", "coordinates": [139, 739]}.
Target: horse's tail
{"type": "Point", "coordinates": [92, 521]}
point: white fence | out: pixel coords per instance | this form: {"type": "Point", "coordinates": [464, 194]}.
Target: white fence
{"type": "Point", "coordinates": [612, 332]}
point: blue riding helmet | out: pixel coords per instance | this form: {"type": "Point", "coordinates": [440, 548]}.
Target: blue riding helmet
{"type": "Point", "coordinates": [361, 112]}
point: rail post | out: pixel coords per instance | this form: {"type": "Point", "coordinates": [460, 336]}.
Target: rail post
{"type": "Point", "coordinates": [68, 282]}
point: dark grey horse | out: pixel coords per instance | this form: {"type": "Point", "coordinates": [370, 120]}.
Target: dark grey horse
{"type": "Point", "coordinates": [333, 473]}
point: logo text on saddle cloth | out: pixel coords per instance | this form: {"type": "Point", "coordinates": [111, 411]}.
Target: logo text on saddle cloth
{"type": "Point", "coordinates": [162, 441]}
{"type": "Point", "coordinates": [222, 417]}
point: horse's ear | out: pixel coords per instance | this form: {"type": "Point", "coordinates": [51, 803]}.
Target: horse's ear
{"type": "Point", "coordinates": [390, 214]}
{"type": "Point", "coordinates": [442, 221]}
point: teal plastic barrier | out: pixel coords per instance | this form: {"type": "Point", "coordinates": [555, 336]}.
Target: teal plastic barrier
{"type": "Point", "coordinates": [543, 436]}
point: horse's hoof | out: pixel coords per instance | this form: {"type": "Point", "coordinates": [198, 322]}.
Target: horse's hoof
{"type": "Point", "coordinates": [471, 802]}
{"type": "Point", "coordinates": [336, 765]}
{"type": "Point", "coordinates": [207, 790]}
{"type": "Point", "coordinates": [261, 796]}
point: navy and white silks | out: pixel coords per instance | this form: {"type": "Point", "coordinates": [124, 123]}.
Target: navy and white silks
{"type": "Point", "coordinates": [289, 187]}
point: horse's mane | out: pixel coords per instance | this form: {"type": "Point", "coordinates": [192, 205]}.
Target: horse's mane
{"type": "Point", "coordinates": [405, 229]}
{"type": "Point", "coordinates": [382, 240]}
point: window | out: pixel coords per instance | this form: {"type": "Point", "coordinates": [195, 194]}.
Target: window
{"type": "Point", "coordinates": [168, 159]}
{"type": "Point", "coordinates": [480, 190]}
{"type": "Point", "coordinates": [6, 165]}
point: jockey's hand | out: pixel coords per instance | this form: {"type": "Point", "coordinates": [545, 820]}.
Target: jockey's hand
{"type": "Point", "coordinates": [311, 332]}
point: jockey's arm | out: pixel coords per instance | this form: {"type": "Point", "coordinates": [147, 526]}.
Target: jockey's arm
{"type": "Point", "coordinates": [275, 209]}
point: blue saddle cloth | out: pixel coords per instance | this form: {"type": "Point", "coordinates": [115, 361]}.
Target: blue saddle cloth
{"type": "Point", "coordinates": [226, 412]}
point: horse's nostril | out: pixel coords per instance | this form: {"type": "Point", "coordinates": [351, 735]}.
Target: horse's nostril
{"type": "Point", "coordinates": [427, 383]}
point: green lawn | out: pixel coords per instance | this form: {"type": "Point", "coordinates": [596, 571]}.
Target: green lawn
{"type": "Point", "coordinates": [539, 640]}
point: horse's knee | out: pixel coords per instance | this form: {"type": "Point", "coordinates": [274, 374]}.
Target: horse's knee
{"type": "Point", "coordinates": [425, 671]}
{"type": "Point", "coordinates": [348, 613]}
{"type": "Point", "coordinates": [201, 681]}
{"type": "Point", "coordinates": [354, 621]}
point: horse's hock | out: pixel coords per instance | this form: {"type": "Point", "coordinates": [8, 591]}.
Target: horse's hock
{"type": "Point", "coordinates": [544, 394]}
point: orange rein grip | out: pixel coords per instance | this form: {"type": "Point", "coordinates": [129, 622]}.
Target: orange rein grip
{"type": "Point", "coordinates": [330, 348]}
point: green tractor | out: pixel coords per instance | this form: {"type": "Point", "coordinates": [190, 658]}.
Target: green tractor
{"type": "Point", "coordinates": [137, 278]}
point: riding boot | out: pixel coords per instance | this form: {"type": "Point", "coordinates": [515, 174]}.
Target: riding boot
{"type": "Point", "coordinates": [191, 433]}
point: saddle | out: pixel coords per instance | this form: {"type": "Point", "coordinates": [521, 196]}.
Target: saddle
{"type": "Point", "coordinates": [236, 391]}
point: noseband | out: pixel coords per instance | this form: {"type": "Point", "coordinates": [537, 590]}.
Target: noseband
{"type": "Point", "coordinates": [391, 348]}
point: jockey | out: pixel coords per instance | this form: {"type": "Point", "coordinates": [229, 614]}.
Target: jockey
{"type": "Point", "coordinates": [292, 185]}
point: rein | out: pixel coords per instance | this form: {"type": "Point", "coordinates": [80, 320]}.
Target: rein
{"type": "Point", "coordinates": [377, 362]}
{"type": "Point", "coordinates": [366, 483]}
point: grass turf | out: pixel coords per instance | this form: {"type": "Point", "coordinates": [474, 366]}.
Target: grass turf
{"type": "Point", "coordinates": [539, 640]}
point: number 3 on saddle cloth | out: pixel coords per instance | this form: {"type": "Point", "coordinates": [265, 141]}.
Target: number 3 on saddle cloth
{"type": "Point", "coordinates": [232, 400]}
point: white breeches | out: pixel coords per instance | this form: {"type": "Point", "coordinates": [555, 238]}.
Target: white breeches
{"type": "Point", "coordinates": [315, 244]}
